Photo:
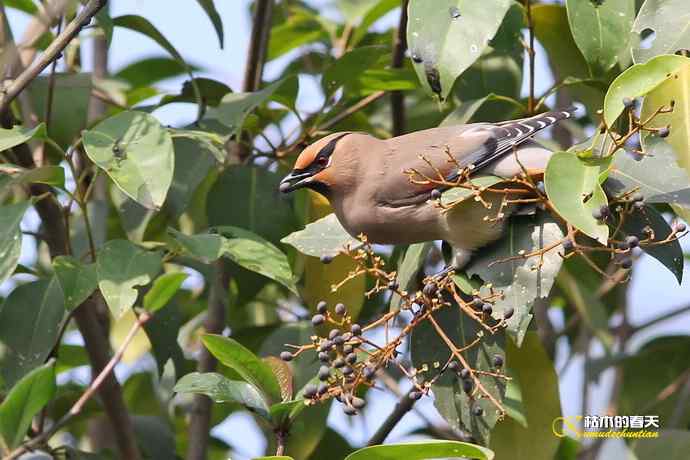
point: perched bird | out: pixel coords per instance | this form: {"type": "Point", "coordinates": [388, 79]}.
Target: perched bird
{"type": "Point", "coordinates": [364, 179]}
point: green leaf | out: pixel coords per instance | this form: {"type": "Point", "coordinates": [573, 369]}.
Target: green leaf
{"type": "Point", "coordinates": [430, 352]}
{"type": "Point", "coordinates": [274, 457]}
{"type": "Point", "coordinates": [446, 39]}
{"type": "Point", "coordinates": [254, 253]}
{"type": "Point", "coordinates": [105, 22]}
{"type": "Point", "coordinates": [569, 182]}
{"type": "Point", "coordinates": [656, 175]}
{"type": "Point", "coordinates": [26, 6]}
{"type": "Point", "coordinates": [77, 280]}
{"type": "Point", "coordinates": [30, 320]}
{"type": "Point", "coordinates": [672, 91]}
{"type": "Point", "coordinates": [222, 390]}
{"type": "Point", "coordinates": [408, 269]}
{"type": "Point", "coordinates": [211, 91]}
{"type": "Point", "coordinates": [670, 445]}
{"type": "Point", "coordinates": [147, 71]}
{"type": "Point", "coordinates": [669, 254]}
{"type": "Point", "coordinates": [254, 371]}
{"type": "Point", "coordinates": [137, 153]}
{"type": "Point", "coordinates": [193, 162]}
{"type": "Point", "coordinates": [163, 290]}
{"type": "Point", "coordinates": [300, 28]}
{"type": "Point", "coordinates": [11, 237]}
{"type": "Point", "coordinates": [69, 112]}
{"type": "Point", "coordinates": [346, 70]}
{"type": "Point", "coordinates": [207, 247]}
{"type": "Point", "coordinates": [324, 237]}
{"type": "Point", "coordinates": [521, 280]}
{"type": "Point", "coordinates": [25, 400]}
{"type": "Point", "coordinates": [214, 17]}
{"type": "Point", "coordinates": [372, 12]}
{"type": "Point", "coordinates": [601, 30]}
{"type": "Point", "coordinates": [18, 135]}
{"type": "Point", "coordinates": [422, 450]}
{"type": "Point", "coordinates": [541, 404]}
{"type": "Point", "coordinates": [234, 107]}
{"type": "Point", "coordinates": [639, 80]}
{"type": "Point", "coordinates": [162, 331]}
{"type": "Point", "coordinates": [144, 27]}
{"type": "Point", "coordinates": [134, 218]}
{"type": "Point", "coordinates": [459, 194]}
{"type": "Point", "coordinates": [122, 267]}
{"type": "Point", "coordinates": [670, 22]}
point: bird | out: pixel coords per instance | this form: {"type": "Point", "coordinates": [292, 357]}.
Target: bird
{"type": "Point", "coordinates": [367, 180]}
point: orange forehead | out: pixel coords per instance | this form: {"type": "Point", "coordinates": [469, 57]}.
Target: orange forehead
{"type": "Point", "coordinates": [309, 154]}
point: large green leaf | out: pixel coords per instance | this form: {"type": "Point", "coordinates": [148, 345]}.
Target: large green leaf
{"type": "Point", "coordinates": [324, 237]}
{"type": "Point", "coordinates": [77, 280]}
{"type": "Point", "coordinates": [601, 30]}
{"type": "Point", "coordinates": [670, 22]}
{"type": "Point", "coordinates": [150, 70]}
{"type": "Point", "coordinates": [10, 237]}
{"type": "Point", "coordinates": [137, 153]}
{"type": "Point", "coordinates": [210, 9]}
{"type": "Point", "coordinates": [446, 39]}
{"type": "Point", "coordinates": [18, 135]}
{"type": "Point", "coordinates": [254, 253]}
{"type": "Point", "coordinates": [349, 68]}
{"type": "Point", "coordinates": [222, 390]}
{"type": "Point", "coordinates": [143, 26]}
{"type": "Point", "coordinates": [656, 175]}
{"type": "Point", "coordinates": [252, 369]}
{"type": "Point", "coordinates": [162, 331]}
{"type": "Point", "coordinates": [521, 280]}
{"type": "Point", "coordinates": [540, 404]}
{"type": "Point", "coordinates": [30, 320]}
{"type": "Point", "coordinates": [25, 400]}
{"type": "Point", "coordinates": [256, 203]}
{"type": "Point", "coordinates": [422, 450]}
{"type": "Point", "coordinates": [430, 351]}
{"type": "Point", "coordinates": [122, 267]}
{"type": "Point", "coordinates": [163, 290]}
{"type": "Point", "coordinates": [574, 191]}
{"type": "Point", "coordinates": [300, 28]}
{"type": "Point", "coordinates": [673, 91]}
{"type": "Point", "coordinates": [639, 80]}
{"type": "Point", "coordinates": [193, 161]}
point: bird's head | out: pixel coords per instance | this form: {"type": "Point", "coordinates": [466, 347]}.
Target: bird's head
{"type": "Point", "coordinates": [313, 168]}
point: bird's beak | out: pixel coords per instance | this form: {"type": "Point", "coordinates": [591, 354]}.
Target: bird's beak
{"type": "Point", "coordinates": [295, 180]}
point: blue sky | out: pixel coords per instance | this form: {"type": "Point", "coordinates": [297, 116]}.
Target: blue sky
{"type": "Point", "coordinates": [653, 290]}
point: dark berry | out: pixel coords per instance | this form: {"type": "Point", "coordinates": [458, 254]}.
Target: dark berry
{"type": "Point", "coordinates": [326, 259]}
{"type": "Point", "coordinates": [467, 385]}
{"type": "Point", "coordinates": [324, 373]}
{"type": "Point", "coordinates": [318, 319]}
{"type": "Point", "coordinates": [487, 309]}
{"type": "Point", "coordinates": [338, 363]}
{"type": "Point", "coordinates": [597, 214]}
{"type": "Point", "coordinates": [639, 205]}
{"type": "Point", "coordinates": [323, 389]}
{"type": "Point", "coordinates": [340, 309]}
{"type": "Point", "coordinates": [351, 358]}
{"type": "Point", "coordinates": [339, 340]}
{"type": "Point", "coordinates": [430, 289]}
{"type": "Point", "coordinates": [498, 361]}
{"type": "Point", "coordinates": [333, 334]}
{"type": "Point", "coordinates": [435, 194]}
{"type": "Point", "coordinates": [623, 246]}
{"type": "Point", "coordinates": [477, 302]}
{"type": "Point", "coordinates": [325, 345]}
{"type": "Point", "coordinates": [477, 411]}
{"type": "Point", "coordinates": [349, 410]}
{"type": "Point", "coordinates": [414, 395]}
{"type": "Point", "coordinates": [358, 403]}
{"type": "Point", "coordinates": [628, 102]}
{"type": "Point", "coordinates": [464, 373]}
{"type": "Point", "coordinates": [568, 244]}
{"type": "Point", "coordinates": [286, 356]}
{"type": "Point", "coordinates": [356, 329]}
{"type": "Point", "coordinates": [347, 370]}
{"type": "Point", "coordinates": [637, 196]}
{"type": "Point", "coordinates": [323, 357]}
{"type": "Point", "coordinates": [627, 263]}
{"type": "Point", "coordinates": [664, 132]}
{"type": "Point", "coordinates": [680, 227]}
{"type": "Point", "coordinates": [310, 390]}
{"type": "Point", "coordinates": [508, 313]}
{"type": "Point", "coordinates": [453, 366]}
{"type": "Point", "coordinates": [632, 241]}
{"type": "Point", "coordinates": [369, 373]}
{"type": "Point", "coordinates": [322, 307]}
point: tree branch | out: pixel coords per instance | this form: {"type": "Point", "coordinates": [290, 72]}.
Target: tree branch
{"type": "Point", "coordinates": [9, 93]}
{"type": "Point", "coordinates": [397, 97]}
{"type": "Point", "coordinates": [530, 55]}
{"type": "Point", "coordinates": [403, 406]}
{"type": "Point", "coordinates": [258, 45]}
{"type": "Point", "coordinates": [200, 419]}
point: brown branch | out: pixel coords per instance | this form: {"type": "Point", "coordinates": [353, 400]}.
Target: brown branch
{"type": "Point", "coordinates": [403, 406]}
{"type": "Point", "coordinates": [530, 55]}
{"type": "Point", "coordinates": [258, 45]}
{"type": "Point", "coordinates": [200, 419]}
{"type": "Point", "coordinates": [9, 93]}
{"type": "Point", "coordinates": [95, 386]}
{"type": "Point", "coordinates": [397, 97]}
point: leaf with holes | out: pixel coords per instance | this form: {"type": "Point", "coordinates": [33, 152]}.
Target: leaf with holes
{"type": "Point", "coordinates": [669, 20]}
{"type": "Point", "coordinates": [137, 153]}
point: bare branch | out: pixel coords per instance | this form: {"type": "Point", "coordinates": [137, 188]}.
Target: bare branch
{"type": "Point", "coordinates": [397, 97]}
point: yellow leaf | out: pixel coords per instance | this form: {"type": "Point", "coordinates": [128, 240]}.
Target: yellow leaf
{"type": "Point", "coordinates": [139, 345]}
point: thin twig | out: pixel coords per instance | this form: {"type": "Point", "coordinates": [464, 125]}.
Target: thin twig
{"type": "Point", "coordinates": [530, 55]}
{"type": "Point", "coordinates": [403, 406]}
{"type": "Point", "coordinates": [57, 46]}
{"type": "Point", "coordinates": [397, 97]}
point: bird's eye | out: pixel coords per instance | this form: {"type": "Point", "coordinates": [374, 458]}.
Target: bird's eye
{"type": "Point", "coordinates": [322, 161]}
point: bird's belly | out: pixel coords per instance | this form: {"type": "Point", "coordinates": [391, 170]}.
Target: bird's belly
{"type": "Point", "coordinates": [470, 225]}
